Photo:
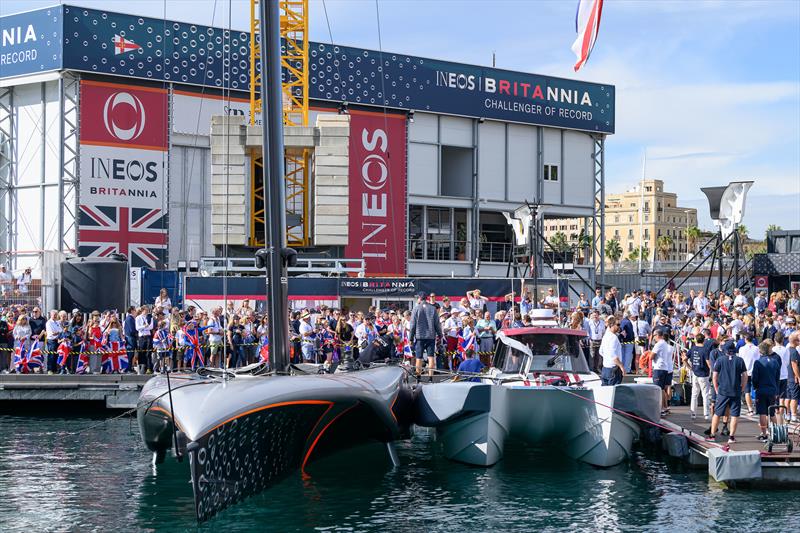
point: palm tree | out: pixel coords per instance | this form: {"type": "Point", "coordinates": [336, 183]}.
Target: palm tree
{"type": "Point", "coordinates": [583, 243]}
{"type": "Point", "coordinates": [692, 236]}
{"type": "Point", "coordinates": [559, 243]}
{"type": "Point", "coordinates": [664, 246]}
{"type": "Point", "coordinates": [772, 227]}
{"type": "Point", "coordinates": [613, 250]}
{"type": "Point", "coordinates": [742, 229]}
{"type": "Point", "coordinates": [634, 254]}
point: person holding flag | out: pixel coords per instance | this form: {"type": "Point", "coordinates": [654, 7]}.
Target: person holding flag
{"type": "Point", "coordinates": [162, 343]}
{"type": "Point", "coordinates": [22, 336]}
{"type": "Point", "coordinates": [193, 355]}
{"type": "Point", "coordinates": [115, 357]}
{"type": "Point", "coordinates": [64, 348]}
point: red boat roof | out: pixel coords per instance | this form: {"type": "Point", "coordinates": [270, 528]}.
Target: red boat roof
{"type": "Point", "coordinates": [513, 332]}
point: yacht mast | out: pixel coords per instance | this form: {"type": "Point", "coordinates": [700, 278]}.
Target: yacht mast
{"type": "Point", "coordinates": [274, 192]}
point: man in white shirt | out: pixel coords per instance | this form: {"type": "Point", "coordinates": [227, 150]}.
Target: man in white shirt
{"type": "Point", "coordinates": [595, 328]}
{"type": "Point", "coordinates": [611, 353]}
{"type": "Point", "coordinates": [551, 300]}
{"type": "Point", "coordinates": [749, 352]}
{"type": "Point", "coordinates": [635, 304]}
{"type": "Point", "coordinates": [307, 335]}
{"type": "Point", "coordinates": [144, 329]}
{"type": "Point", "coordinates": [451, 327]}
{"type": "Point", "coordinates": [735, 326]}
{"type": "Point", "coordinates": [739, 299]}
{"type": "Point", "coordinates": [662, 368]}
{"type": "Point", "coordinates": [53, 330]}
{"type": "Point", "coordinates": [6, 280]}
{"type": "Point", "coordinates": [700, 304]}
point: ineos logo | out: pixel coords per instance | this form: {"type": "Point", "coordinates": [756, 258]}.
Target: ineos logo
{"type": "Point", "coordinates": [379, 137]}
{"type": "Point", "coordinates": [121, 133]}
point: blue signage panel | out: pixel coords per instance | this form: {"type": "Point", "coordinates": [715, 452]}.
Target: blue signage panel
{"type": "Point", "coordinates": [140, 47]}
{"type": "Point", "coordinates": [30, 42]}
{"type": "Point", "coordinates": [395, 80]}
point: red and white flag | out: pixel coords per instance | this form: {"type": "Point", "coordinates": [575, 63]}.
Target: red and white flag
{"type": "Point", "coordinates": [122, 45]}
{"type": "Point", "coordinates": [587, 26]}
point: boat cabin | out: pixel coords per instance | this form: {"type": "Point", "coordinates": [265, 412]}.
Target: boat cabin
{"type": "Point", "coordinates": [540, 350]}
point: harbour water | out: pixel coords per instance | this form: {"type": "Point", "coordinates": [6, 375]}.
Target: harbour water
{"type": "Point", "coordinates": [80, 474]}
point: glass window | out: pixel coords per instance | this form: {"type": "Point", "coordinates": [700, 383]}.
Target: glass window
{"type": "Point", "coordinates": [496, 237]}
{"type": "Point", "coordinates": [438, 233]}
{"type": "Point", "coordinates": [457, 171]}
{"type": "Point", "coordinates": [416, 243]}
{"type": "Point", "coordinates": [795, 248]}
{"type": "Point", "coordinates": [780, 245]}
{"type": "Point", "coordinates": [550, 173]}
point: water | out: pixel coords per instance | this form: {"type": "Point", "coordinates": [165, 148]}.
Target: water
{"type": "Point", "coordinates": [52, 479]}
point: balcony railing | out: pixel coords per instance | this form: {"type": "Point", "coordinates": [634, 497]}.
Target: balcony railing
{"type": "Point", "coordinates": [438, 250]}
{"type": "Point", "coordinates": [494, 252]}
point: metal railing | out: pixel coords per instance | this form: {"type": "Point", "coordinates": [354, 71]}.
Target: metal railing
{"type": "Point", "coordinates": [436, 250]}
{"type": "Point", "coordinates": [213, 266]}
{"type": "Point", "coordinates": [494, 252]}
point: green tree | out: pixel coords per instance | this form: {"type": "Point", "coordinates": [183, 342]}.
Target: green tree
{"type": "Point", "coordinates": [559, 243]}
{"type": "Point", "coordinates": [613, 250]}
{"type": "Point", "coordinates": [583, 244]}
{"type": "Point", "coordinates": [634, 254]}
{"type": "Point", "coordinates": [664, 246]}
{"type": "Point", "coordinates": [742, 229]}
{"type": "Point", "coordinates": [772, 227]}
{"type": "Point", "coordinates": [692, 236]}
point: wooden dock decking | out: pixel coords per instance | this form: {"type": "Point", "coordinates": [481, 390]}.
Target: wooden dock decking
{"type": "Point", "coordinates": [778, 468]}
{"type": "Point", "coordinates": [116, 391]}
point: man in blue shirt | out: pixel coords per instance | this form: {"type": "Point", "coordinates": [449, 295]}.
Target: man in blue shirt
{"type": "Point", "coordinates": [698, 359]}
{"type": "Point", "coordinates": [471, 365]}
{"type": "Point", "coordinates": [626, 338]}
{"type": "Point", "coordinates": [730, 377]}
{"type": "Point", "coordinates": [766, 381]}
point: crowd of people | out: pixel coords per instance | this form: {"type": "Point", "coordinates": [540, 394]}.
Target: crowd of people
{"type": "Point", "coordinates": [706, 338]}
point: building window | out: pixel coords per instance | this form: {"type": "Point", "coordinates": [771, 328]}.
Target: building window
{"type": "Point", "coordinates": [616, 234]}
{"type": "Point", "coordinates": [630, 246]}
{"type": "Point", "coordinates": [616, 218]}
{"type": "Point", "coordinates": [437, 233]}
{"type": "Point", "coordinates": [456, 171]}
{"type": "Point", "coordinates": [630, 234]}
{"type": "Point", "coordinates": [496, 238]}
{"type": "Point", "coordinates": [647, 218]}
{"type": "Point", "coordinates": [646, 206]}
{"type": "Point", "coordinates": [630, 218]}
{"type": "Point", "coordinates": [551, 173]}
{"type": "Point", "coordinates": [648, 189]}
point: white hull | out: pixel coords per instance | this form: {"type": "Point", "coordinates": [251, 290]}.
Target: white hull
{"type": "Point", "coordinates": [474, 420]}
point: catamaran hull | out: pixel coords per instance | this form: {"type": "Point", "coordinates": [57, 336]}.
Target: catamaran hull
{"type": "Point", "coordinates": [243, 434]}
{"type": "Point", "coordinates": [474, 420]}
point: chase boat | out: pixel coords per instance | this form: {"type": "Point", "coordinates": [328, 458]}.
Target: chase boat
{"type": "Point", "coordinates": [540, 390]}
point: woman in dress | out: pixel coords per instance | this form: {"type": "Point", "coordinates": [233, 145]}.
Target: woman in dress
{"type": "Point", "coordinates": [22, 335]}
{"type": "Point", "coordinates": [163, 301]}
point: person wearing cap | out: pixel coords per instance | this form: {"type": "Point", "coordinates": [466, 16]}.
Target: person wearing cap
{"type": "Point", "coordinates": [423, 330]}
{"type": "Point", "coordinates": [366, 332]}
{"type": "Point", "coordinates": [749, 353]}
{"type": "Point", "coordinates": [766, 383]}
{"type": "Point", "coordinates": [729, 378]}
{"type": "Point", "coordinates": [551, 300]}
{"type": "Point", "coordinates": [663, 365]}
{"type": "Point", "coordinates": [307, 336]}
{"type": "Point", "coordinates": [452, 324]}
{"type": "Point", "coordinates": [698, 359]}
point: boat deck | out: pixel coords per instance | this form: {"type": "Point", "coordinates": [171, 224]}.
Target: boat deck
{"type": "Point", "coordinates": [745, 462]}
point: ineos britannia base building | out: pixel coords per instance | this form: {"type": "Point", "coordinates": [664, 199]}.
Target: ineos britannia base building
{"type": "Point", "coordinates": [105, 147]}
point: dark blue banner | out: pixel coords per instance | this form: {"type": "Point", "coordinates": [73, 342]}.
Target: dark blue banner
{"type": "Point", "coordinates": [140, 47]}
{"type": "Point", "coordinates": [30, 42]}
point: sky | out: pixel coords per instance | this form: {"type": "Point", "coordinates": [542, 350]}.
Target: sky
{"type": "Point", "coordinates": [709, 90]}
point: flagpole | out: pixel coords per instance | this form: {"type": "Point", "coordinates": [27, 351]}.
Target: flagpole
{"type": "Point", "coordinates": [641, 209]}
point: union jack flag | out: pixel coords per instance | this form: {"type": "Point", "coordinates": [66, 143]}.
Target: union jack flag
{"type": "Point", "coordinates": [404, 346]}
{"type": "Point", "coordinates": [263, 351]}
{"type": "Point", "coordinates": [139, 234]}
{"type": "Point", "coordinates": [193, 351]}
{"type": "Point", "coordinates": [63, 352]}
{"type": "Point", "coordinates": [467, 344]}
{"type": "Point", "coordinates": [27, 358]}
{"type": "Point", "coordinates": [83, 360]}
{"type": "Point", "coordinates": [115, 358]}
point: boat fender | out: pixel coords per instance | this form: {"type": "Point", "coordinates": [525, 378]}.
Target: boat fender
{"type": "Point", "coordinates": [652, 435]}
{"type": "Point", "coordinates": [676, 444]}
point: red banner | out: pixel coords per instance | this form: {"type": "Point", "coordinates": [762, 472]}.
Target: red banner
{"type": "Point", "coordinates": [377, 185]}
{"type": "Point", "coordinates": [123, 115]}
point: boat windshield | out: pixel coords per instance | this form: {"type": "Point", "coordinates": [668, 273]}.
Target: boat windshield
{"type": "Point", "coordinates": [552, 352]}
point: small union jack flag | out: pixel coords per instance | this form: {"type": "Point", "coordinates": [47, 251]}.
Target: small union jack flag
{"type": "Point", "coordinates": [194, 353]}
{"type": "Point", "coordinates": [115, 358]}
{"type": "Point", "coordinates": [138, 234]}
{"type": "Point", "coordinates": [63, 352]}
{"type": "Point", "coordinates": [263, 350]}
{"type": "Point", "coordinates": [404, 346]}
{"type": "Point", "coordinates": [83, 360]}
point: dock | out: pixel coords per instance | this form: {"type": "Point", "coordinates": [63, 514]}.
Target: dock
{"type": "Point", "coordinates": [109, 391]}
{"type": "Point", "coordinates": [743, 463]}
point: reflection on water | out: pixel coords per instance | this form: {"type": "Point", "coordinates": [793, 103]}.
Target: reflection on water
{"type": "Point", "coordinates": [102, 480]}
